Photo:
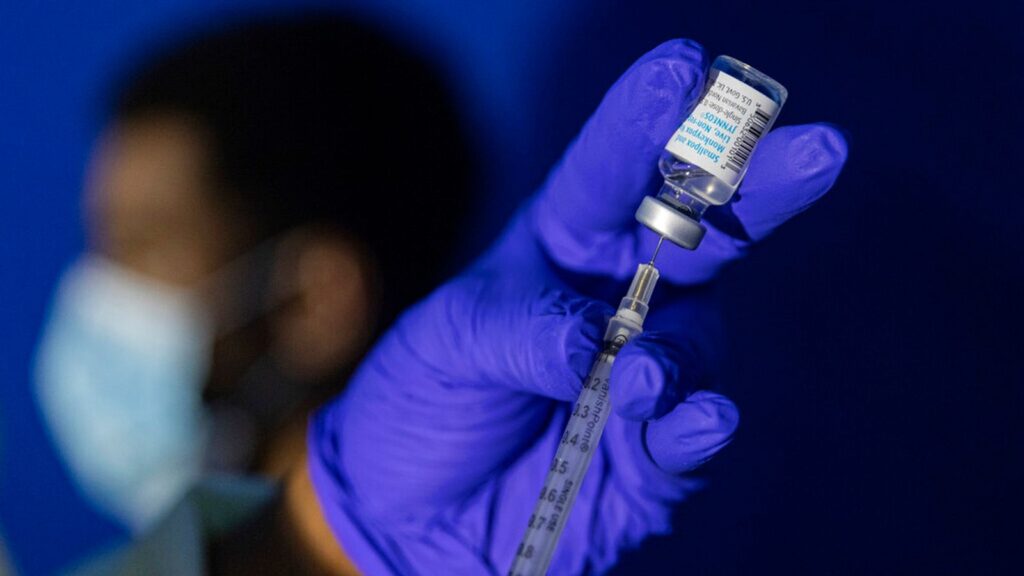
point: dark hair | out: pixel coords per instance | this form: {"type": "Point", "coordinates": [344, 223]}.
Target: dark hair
{"type": "Point", "coordinates": [319, 120]}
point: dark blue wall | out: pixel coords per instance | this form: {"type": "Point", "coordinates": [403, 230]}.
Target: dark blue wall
{"type": "Point", "coordinates": [876, 342]}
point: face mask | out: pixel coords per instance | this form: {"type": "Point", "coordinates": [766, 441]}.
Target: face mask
{"type": "Point", "coordinates": [119, 375]}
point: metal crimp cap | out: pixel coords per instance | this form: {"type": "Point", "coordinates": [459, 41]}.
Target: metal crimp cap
{"type": "Point", "coordinates": [667, 221]}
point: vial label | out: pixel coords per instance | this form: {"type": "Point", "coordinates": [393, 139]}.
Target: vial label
{"type": "Point", "coordinates": [721, 132]}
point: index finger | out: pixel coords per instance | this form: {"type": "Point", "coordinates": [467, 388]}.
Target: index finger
{"type": "Point", "coordinates": [608, 169]}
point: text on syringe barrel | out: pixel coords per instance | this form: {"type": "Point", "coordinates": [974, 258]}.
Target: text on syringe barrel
{"type": "Point", "coordinates": [568, 468]}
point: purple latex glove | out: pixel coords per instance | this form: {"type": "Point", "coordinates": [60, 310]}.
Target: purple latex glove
{"type": "Point", "coordinates": [432, 460]}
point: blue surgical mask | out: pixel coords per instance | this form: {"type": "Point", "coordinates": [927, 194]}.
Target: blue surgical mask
{"type": "Point", "coordinates": [119, 377]}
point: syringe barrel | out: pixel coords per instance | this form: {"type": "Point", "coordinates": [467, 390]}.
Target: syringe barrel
{"type": "Point", "coordinates": [583, 431]}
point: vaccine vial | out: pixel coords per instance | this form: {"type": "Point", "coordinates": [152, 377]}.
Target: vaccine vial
{"type": "Point", "coordinates": [707, 157]}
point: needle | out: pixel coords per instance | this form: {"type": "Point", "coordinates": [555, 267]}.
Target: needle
{"type": "Point", "coordinates": [656, 249]}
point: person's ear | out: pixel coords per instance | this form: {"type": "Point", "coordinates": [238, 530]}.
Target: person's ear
{"type": "Point", "coordinates": [327, 322]}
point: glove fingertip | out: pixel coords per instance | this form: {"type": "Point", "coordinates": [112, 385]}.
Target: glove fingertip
{"type": "Point", "coordinates": [566, 342]}
{"type": "Point", "coordinates": [653, 374]}
{"type": "Point", "coordinates": [685, 57]}
{"type": "Point", "coordinates": [692, 433]}
{"type": "Point", "coordinates": [665, 83]}
{"type": "Point", "coordinates": [637, 384]}
{"type": "Point", "coordinates": [798, 163]}
{"type": "Point", "coordinates": [819, 148]}
{"type": "Point", "coordinates": [792, 168]}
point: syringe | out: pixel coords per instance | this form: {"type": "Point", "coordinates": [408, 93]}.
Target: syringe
{"type": "Point", "coordinates": [583, 432]}
{"type": "Point", "coordinates": [693, 183]}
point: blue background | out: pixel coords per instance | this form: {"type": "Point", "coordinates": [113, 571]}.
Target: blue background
{"type": "Point", "coordinates": [876, 342]}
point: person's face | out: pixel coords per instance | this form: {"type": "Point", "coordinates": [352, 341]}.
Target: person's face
{"type": "Point", "coordinates": [151, 206]}
{"type": "Point", "coordinates": [148, 202]}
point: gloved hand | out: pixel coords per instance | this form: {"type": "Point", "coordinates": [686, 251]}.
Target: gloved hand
{"type": "Point", "coordinates": [432, 460]}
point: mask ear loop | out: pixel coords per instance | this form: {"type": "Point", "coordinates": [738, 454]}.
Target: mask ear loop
{"type": "Point", "coordinates": [239, 293]}
{"type": "Point", "coordinates": [243, 290]}
{"type": "Point", "coordinates": [263, 400]}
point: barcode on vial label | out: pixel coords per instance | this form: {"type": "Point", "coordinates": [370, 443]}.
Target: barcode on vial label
{"type": "Point", "coordinates": [745, 146]}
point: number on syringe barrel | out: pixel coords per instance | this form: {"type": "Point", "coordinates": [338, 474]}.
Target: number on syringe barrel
{"type": "Point", "coordinates": [539, 522]}
{"type": "Point", "coordinates": [571, 440]}
{"type": "Point", "coordinates": [560, 465]}
{"type": "Point", "coordinates": [595, 383]}
{"type": "Point", "coordinates": [550, 496]}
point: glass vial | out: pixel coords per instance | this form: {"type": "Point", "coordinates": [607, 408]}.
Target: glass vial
{"type": "Point", "coordinates": [707, 157]}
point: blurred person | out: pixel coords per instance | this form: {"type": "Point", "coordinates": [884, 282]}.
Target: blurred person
{"type": "Point", "coordinates": [264, 197]}
{"type": "Point", "coordinates": [430, 461]}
